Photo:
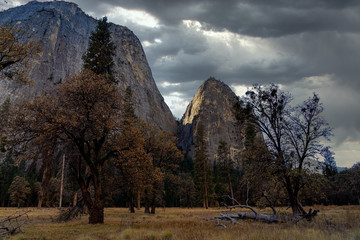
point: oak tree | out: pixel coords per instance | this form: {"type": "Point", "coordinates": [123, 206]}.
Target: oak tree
{"type": "Point", "coordinates": [133, 163]}
{"type": "Point", "coordinates": [82, 114]}
{"type": "Point", "coordinates": [161, 146]}
{"type": "Point", "coordinates": [15, 54]}
{"type": "Point", "coordinates": [19, 191]}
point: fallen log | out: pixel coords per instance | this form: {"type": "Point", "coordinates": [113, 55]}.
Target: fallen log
{"type": "Point", "coordinates": [228, 216]}
{"type": "Point", "coordinates": [252, 216]}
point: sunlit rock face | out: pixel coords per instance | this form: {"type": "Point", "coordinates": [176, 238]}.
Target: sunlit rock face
{"type": "Point", "coordinates": [63, 30]}
{"type": "Point", "coordinates": [213, 107]}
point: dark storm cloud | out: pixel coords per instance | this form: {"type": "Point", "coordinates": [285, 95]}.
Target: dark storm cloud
{"type": "Point", "coordinates": [326, 53]}
{"type": "Point", "coordinates": [254, 18]}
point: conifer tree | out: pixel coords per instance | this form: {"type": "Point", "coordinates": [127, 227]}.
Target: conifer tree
{"type": "Point", "coordinates": [225, 166]}
{"type": "Point", "coordinates": [202, 166]}
{"type": "Point", "coordinates": [99, 56]}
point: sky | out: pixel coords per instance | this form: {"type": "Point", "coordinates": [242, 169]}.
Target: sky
{"type": "Point", "coordinates": [303, 46]}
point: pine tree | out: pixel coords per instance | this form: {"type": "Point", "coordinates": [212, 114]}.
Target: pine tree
{"type": "Point", "coordinates": [202, 166]}
{"type": "Point", "coordinates": [225, 166]}
{"type": "Point", "coordinates": [99, 56]}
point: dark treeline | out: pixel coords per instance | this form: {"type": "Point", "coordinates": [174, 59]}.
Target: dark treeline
{"type": "Point", "coordinates": [176, 183]}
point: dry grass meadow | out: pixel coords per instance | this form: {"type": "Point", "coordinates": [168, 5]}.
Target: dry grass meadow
{"type": "Point", "coordinates": [186, 224]}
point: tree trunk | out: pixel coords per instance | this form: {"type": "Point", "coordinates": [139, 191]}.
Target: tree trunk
{"type": "Point", "coordinates": [138, 200]}
{"type": "Point", "coordinates": [62, 182]}
{"type": "Point", "coordinates": [132, 209]}
{"type": "Point", "coordinates": [75, 199]}
{"type": "Point", "coordinates": [153, 202]}
{"type": "Point", "coordinates": [131, 202]}
{"type": "Point", "coordinates": [231, 190]}
{"type": "Point", "coordinates": [296, 206]}
{"type": "Point", "coordinates": [41, 196]}
{"type": "Point", "coordinates": [147, 207]}
{"type": "Point", "coordinates": [96, 215]}
{"type": "Point", "coordinates": [152, 209]}
{"type": "Point", "coordinates": [206, 201]}
{"type": "Point", "coordinates": [96, 206]}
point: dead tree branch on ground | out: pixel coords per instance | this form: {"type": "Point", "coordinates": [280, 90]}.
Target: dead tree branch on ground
{"type": "Point", "coordinates": [275, 218]}
{"type": "Point", "coordinates": [12, 224]}
{"type": "Point", "coordinates": [71, 212]}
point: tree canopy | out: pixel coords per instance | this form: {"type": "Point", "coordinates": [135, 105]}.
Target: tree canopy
{"type": "Point", "coordinates": [15, 54]}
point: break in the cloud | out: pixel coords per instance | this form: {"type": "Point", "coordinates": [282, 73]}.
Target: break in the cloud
{"type": "Point", "coordinates": [306, 46]}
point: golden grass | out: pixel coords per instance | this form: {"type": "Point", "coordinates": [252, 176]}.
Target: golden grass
{"type": "Point", "coordinates": [186, 224]}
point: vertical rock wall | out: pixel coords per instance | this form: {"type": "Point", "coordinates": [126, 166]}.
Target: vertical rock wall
{"type": "Point", "coordinates": [63, 30]}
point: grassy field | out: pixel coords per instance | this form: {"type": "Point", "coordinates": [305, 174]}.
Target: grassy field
{"type": "Point", "coordinates": [177, 223]}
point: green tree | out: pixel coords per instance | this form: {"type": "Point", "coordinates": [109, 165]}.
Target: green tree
{"type": "Point", "coordinates": [225, 167]}
{"type": "Point", "coordinates": [7, 174]}
{"type": "Point", "coordinates": [203, 177]}
{"type": "Point", "coordinates": [99, 55]}
{"type": "Point", "coordinates": [329, 165]}
{"type": "Point", "coordinates": [19, 190]}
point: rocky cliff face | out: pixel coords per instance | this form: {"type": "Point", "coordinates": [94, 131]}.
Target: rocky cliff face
{"type": "Point", "coordinates": [212, 106]}
{"type": "Point", "coordinates": [63, 30]}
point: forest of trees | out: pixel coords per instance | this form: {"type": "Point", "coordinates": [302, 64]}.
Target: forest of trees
{"type": "Point", "coordinates": [113, 158]}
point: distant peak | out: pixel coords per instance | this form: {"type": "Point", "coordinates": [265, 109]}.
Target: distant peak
{"type": "Point", "coordinates": [24, 11]}
{"type": "Point", "coordinates": [58, 8]}
{"type": "Point", "coordinates": [51, 3]}
{"type": "Point", "coordinates": [212, 80]}
{"type": "Point", "coordinates": [213, 83]}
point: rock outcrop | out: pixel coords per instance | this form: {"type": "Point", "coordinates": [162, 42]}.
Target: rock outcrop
{"type": "Point", "coordinates": [63, 30]}
{"type": "Point", "coordinates": [213, 107]}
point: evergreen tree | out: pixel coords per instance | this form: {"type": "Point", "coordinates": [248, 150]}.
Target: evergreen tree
{"type": "Point", "coordinates": [7, 174]}
{"type": "Point", "coordinates": [202, 166]}
{"type": "Point", "coordinates": [99, 56]}
{"type": "Point", "coordinates": [225, 166]}
{"type": "Point", "coordinates": [329, 165]}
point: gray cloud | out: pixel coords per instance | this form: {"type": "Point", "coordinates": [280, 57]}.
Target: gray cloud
{"type": "Point", "coordinates": [255, 18]}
